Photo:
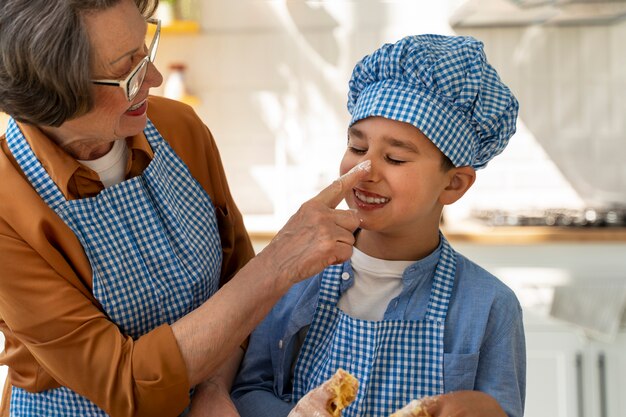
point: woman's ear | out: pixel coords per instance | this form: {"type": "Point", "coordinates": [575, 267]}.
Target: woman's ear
{"type": "Point", "coordinates": [461, 179]}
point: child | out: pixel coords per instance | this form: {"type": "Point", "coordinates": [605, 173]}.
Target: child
{"type": "Point", "coordinates": [408, 316]}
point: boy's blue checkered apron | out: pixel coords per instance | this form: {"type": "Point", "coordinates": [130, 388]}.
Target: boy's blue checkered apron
{"type": "Point", "coordinates": [153, 245]}
{"type": "Point", "coordinates": [395, 361]}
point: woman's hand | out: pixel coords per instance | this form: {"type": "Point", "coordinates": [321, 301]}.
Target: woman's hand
{"type": "Point", "coordinates": [318, 235]}
{"type": "Point", "coordinates": [328, 399]}
{"type": "Point", "coordinates": [313, 404]}
{"type": "Point", "coordinates": [463, 404]}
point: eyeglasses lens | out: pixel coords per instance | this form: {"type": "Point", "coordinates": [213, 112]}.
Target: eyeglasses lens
{"type": "Point", "coordinates": [134, 84]}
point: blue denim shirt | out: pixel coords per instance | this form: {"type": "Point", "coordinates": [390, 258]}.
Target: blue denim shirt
{"type": "Point", "coordinates": [484, 346]}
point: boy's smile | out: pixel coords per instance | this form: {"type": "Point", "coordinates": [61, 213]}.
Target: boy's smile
{"type": "Point", "coordinates": [369, 201]}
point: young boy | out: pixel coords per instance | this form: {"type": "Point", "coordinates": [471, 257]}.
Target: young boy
{"type": "Point", "coordinates": [408, 316]}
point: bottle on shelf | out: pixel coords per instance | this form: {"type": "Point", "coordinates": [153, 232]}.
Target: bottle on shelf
{"type": "Point", "coordinates": [175, 87]}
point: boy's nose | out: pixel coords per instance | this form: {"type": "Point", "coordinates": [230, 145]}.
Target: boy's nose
{"type": "Point", "coordinates": [372, 174]}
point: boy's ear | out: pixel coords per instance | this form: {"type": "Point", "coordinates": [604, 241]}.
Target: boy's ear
{"type": "Point", "coordinates": [461, 179]}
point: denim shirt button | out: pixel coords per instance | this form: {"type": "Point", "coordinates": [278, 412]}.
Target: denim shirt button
{"type": "Point", "coordinates": [345, 276]}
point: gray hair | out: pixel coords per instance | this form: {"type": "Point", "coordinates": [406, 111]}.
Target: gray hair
{"type": "Point", "coordinates": [45, 58]}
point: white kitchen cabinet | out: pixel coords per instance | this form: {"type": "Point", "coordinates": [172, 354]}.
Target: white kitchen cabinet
{"type": "Point", "coordinates": [570, 375]}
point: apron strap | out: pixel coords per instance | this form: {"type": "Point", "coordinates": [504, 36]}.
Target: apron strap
{"type": "Point", "coordinates": [442, 284]}
{"type": "Point", "coordinates": [34, 171]}
{"type": "Point", "coordinates": [153, 135]}
{"type": "Point", "coordinates": [329, 285]}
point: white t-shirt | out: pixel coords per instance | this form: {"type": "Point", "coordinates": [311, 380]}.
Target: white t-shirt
{"type": "Point", "coordinates": [376, 283]}
{"type": "Point", "coordinates": [111, 167]}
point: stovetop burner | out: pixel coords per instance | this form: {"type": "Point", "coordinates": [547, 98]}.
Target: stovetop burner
{"type": "Point", "coordinates": [588, 217]}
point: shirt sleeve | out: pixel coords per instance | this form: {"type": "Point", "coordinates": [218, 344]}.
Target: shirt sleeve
{"type": "Point", "coordinates": [52, 317]}
{"type": "Point", "coordinates": [501, 369]}
{"type": "Point", "coordinates": [254, 390]}
{"type": "Point", "coordinates": [56, 332]}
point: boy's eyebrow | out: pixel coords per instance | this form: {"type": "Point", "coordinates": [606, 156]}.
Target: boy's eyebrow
{"type": "Point", "coordinates": [353, 131]}
{"type": "Point", "coordinates": [401, 144]}
{"type": "Point", "coordinates": [397, 143]}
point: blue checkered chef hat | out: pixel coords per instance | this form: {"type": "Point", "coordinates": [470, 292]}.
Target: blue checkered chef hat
{"type": "Point", "coordinates": [444, 86]}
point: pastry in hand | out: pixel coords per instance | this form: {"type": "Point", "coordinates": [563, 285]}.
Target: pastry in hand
{"type": "Point", "coordinates": [328, 399]}
{"type": "Point", "coordinates": [415, 408]}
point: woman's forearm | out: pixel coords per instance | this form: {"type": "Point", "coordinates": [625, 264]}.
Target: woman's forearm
{"type": "Point", "coordinates": [315, 237]}
{"type": "Point", "coordinates": [209, 334]}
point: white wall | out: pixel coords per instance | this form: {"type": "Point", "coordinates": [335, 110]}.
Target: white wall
{"type": "Point", "coordinates": [272, 79]}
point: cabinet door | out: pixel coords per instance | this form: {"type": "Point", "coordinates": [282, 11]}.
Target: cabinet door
{"type": "Point", "coordinates": [554, 374]}
{"type": "Point", "coordinates": [610, 366]}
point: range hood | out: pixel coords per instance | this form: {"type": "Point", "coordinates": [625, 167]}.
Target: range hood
{"type": "Point", "coordinates": [497, 13]}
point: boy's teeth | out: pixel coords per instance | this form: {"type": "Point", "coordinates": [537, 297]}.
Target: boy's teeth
{"type": "Point", "coordinates": [371, 200]}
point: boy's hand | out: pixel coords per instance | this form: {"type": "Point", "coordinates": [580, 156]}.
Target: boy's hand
{"type": "Point", "coordinates": [318, 235]}
{"type": "Point", "coordinates": [463, 404]}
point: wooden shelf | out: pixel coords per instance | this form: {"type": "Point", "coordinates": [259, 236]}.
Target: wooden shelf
{"type": "Point", "coordinates": [527, 235]}
{"type": "Point", "coordinates": [178, 27]}
{"type": "Point", "coordinates": [515, 235]}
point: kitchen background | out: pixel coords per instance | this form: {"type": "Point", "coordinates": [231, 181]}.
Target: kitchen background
{"type": "Point", "coordinates": [269, 78]}
{"type": "Point", "coordinates": [271, 82]}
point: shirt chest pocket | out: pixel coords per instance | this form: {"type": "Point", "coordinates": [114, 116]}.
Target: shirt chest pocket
{"type": "Point", "coordinates": [459, 371]}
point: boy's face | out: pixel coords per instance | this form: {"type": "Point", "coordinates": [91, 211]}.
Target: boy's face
{"type": "Point", "coordinates": [401, 192]}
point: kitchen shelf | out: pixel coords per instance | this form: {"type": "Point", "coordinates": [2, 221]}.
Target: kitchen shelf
{"type": "Point", "coordinates": [528, 235]}
{"type": "Point", "coordinates": [178, 27]}
{"type": "Point", "coordinates": [503, 235]}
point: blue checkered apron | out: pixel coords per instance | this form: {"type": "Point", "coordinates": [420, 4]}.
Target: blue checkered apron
{"type": "Point", "coordinates": [153, 245]}
{"type": "Point", "coordinates": [395, 360]}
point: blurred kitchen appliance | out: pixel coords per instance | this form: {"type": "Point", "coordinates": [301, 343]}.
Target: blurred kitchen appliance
{"type": "Point", "coordinates": [587, 217]}
{"type": "Point", "coordinates": [486, 13]}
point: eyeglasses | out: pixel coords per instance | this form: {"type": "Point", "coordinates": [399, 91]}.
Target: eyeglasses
{"type": "Point", "coordinates": [132, 83]}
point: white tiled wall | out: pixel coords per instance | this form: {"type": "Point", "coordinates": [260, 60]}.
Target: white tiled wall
{"type": "Point", "coordinates": [272, 78]}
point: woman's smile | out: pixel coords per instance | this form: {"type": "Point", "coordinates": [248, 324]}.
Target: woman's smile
{"type": "Point", "coordinates": [138, 109]}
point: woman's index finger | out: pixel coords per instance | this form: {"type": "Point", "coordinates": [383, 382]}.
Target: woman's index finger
{"type": "Point", "coordinates": [335, 192]}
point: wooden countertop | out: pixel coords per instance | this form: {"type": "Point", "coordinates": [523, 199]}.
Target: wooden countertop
{"type": "Point", "coordinates": [527, 235]}
{"type": "Point", "coordinates": [524, 235]}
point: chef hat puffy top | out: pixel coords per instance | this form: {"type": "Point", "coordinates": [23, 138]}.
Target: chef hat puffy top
{"type": "Point", "coordinates": [444, 86]}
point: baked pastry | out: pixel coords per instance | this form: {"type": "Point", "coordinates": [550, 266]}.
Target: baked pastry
{"type": "Point", "coordinates": [344, 388]}
{"type": "Point", "coordinates": [413, 409]}
{"type": "Point", "coordinates": [328, 399]}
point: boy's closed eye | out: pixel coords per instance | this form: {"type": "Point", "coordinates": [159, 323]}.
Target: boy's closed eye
{"type": "Point", "coordinates": [392, 159]}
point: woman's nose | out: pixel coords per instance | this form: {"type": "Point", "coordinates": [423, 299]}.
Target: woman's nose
{"type": "Point", "coordinates": [153, 78]}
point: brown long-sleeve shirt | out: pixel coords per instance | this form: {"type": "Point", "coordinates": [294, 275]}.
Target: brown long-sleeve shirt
{"type": "Point", "coordinates": [56, 332]}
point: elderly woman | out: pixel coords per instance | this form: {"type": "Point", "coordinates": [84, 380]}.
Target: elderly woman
{"type": "Point", "coordinates": [126, 275]}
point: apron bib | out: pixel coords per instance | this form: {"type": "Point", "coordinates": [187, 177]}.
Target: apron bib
{"type": "Point", "coordinates": [153, 245]}
{"type": "Point", "coordinates": [395, 361]}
